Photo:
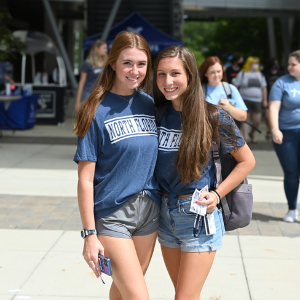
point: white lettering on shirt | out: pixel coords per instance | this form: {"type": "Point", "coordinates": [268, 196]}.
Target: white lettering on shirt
{"type": "Point", "coordinates": [169, 139]}
{"type": "Point", "coordinates": [294, 91]}
{"type": "Point", "coordinates": [130, 126]}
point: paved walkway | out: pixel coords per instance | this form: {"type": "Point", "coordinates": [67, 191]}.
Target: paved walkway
{"type": "Point", "coordinates": [62, 213]}
{"type": "Point", "coordinates": [40, 248]}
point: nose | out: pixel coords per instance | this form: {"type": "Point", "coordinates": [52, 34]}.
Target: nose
{"type": "Point", "coordinates": [169, 80]}
{"type": "Point", "coordinates": [134, 69]}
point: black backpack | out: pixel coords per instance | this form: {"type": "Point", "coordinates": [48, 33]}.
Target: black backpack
{"type": "Point", "coordinates": [236, 205]}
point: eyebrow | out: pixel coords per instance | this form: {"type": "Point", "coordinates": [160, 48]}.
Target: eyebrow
{"type": "Point", "coordinates": [132, 60]}
{"type": "Point", "coordinates": [170, 70]}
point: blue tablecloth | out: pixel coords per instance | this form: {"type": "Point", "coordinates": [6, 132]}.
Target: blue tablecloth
{"type": "Point", "coordinates": [21, 113]}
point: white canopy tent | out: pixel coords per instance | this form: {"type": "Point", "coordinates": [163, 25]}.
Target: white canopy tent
{"type": "Point", "coordinates": [36, 42]}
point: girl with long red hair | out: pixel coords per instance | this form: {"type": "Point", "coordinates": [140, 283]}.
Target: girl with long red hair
{"type": "Point", "coordinates": [118, 194]}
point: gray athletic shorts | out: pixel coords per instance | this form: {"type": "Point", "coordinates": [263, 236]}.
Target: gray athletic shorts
{"type": "Point", "coordinates": [138, 216]}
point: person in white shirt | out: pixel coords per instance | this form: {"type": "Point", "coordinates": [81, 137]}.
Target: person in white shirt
{"type": "Point", "coordinates": [253, 89]}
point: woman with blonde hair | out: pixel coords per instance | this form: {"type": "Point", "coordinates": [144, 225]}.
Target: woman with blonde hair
{"type": "Point", "coordinates": [90, 71]}
{"type": "Point", "coordinates": [253, 89]}
{"type": "Point", "coordinates": [184, 163]}
{"type": "Point", "coordinates": [117, 148]}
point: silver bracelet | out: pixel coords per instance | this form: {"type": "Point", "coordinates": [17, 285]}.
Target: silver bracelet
{"type": "Point", "coordinates": [273, 129]}
{"type": "Point", "coordinates": [217, 195]}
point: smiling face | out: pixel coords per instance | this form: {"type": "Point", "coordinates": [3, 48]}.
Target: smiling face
{"type": "Point", "coordinates": [214, 74]}
{"type": "Point", "coordinates": [294, 67]}
{"type": "Point", "coordinates": [172, 79]}
{"type": "Point", "coordinates": [130, 69]}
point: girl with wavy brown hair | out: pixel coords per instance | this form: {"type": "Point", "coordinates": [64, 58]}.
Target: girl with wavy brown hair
{"type": "Point", "coordinates": [118, 195]}
{"type": "Point", "coordinates": [184, 164]}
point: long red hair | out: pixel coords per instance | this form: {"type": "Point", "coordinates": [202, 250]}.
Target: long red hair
{"type": "Point", "coordinates": [125, 39]}
{"type": "Point", "coordinates": [210, 61]}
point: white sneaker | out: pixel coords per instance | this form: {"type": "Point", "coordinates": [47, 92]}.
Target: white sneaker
{"type": "Point", "coordinates": [291, 216]}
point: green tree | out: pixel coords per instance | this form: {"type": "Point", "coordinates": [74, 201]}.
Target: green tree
{"type": "Point", "coordinates": [227, 36]}
{"type": "Point", "coordinates": [8, 43]}
{"type": "Point", "coordinates": [195, 38]}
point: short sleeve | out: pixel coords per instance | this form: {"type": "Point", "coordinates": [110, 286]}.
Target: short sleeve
{"type": "Point", "coordinates": [85, 67]}
{"type": "Point", "coordinates": [263, 81]}
{"type": "Point", "coordinates": [240, 104]}
{"type": "Point", "coordinates": [276, 91]}
{"type": "Point", "coordinates": [225, 123]}
{"type": "Point", "coordinates": [238, 79]}
{"type": "Point", "coordinates": [88, 147]}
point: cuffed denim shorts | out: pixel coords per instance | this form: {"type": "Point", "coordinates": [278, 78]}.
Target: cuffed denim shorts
{"type": "Point", "coordinates": [176, 228]}
{"type": "Point", "coordinates": [138, 216]}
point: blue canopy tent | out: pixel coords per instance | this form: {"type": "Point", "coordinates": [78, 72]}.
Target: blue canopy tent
{"type": "Point", "coordinates": [157, 39]}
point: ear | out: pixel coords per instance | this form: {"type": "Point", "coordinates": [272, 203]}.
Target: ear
{"type": "Point", "coordinates": [113, 65]}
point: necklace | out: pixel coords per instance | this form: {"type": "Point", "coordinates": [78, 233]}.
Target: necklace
{"type": "Point", "coordinates": [127, 99]}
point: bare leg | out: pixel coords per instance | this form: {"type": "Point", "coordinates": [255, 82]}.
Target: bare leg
{"type": "Point", "coordinates": [256, 118]}
{"type": "Point", "coordinates": [141, 248]}
{"type": "Point", "coordinates": [245, 128]}
{"type": "Point", "coordinates": [267, 121]}
{"type": "Point", "coordinates": [172, 261]}
{"type": "Point", "coordinates": [188, 271]}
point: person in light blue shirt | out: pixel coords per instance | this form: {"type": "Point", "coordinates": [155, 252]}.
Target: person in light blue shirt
{"type": "Point", "coordinates": [284, 102]}
{"type": "Point", "coordinates": [211, 76]}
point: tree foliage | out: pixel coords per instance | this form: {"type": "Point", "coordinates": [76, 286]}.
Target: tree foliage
{"type": "Point", "coordinates": [228, 36]}
{"type": "Point", "coordinates": [8, 43]}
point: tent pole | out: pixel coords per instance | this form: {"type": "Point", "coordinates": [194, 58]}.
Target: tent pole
{"type": "Point", "coordinates": [32, 67]}
{"type": "Point", "coordinates": [111, 19]}
{"type": "Point", "coordinates": [23, 69]}
{"type": "Point", "coordinates": [60, 44]}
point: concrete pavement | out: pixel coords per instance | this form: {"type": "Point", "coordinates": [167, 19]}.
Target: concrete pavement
{"type": "Point", "coordinates": [40, 248]}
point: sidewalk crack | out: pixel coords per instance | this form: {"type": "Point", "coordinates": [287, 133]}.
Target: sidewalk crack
{"type": "Point", "coordinates": [244, 268]}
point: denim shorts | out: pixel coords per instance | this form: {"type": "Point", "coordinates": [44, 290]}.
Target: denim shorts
{"type": "Point", "coordinates": [138, 216]}
{"type": "Point", "coordinates": [176, 228]}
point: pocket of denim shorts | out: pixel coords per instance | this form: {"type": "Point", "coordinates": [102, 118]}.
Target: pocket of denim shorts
{"type": "Point", "coordinates": [185, 209]}
{"type": "Point", "coordinates": [221, 220]}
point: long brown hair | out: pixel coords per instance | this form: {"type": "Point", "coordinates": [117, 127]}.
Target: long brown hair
{"type": "Point", "coordinates": [125, 39]}
{"type": "Point", "coordinates": [210, 61]}
{"type": "Point", "coordinates": [199, 118]}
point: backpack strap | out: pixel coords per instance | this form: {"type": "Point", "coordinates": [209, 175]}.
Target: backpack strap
{"type": "Point", "coordinates": [227, 89]}
{"type": "Point", "coordinates": [160, 111]}
{"type": "Point", "coordinates": [218, 167]}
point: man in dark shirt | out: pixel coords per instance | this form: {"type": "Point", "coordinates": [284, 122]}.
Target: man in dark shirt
{"type": "Point", "coordinates": [237, 63]}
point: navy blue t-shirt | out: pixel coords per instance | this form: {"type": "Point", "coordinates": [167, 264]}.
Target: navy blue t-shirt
{"type": "Point", "coordinates": [169, 135]}
{"type": "Point", "coordinates": [92, 75]}
{"type": "Point", "coordinates": [123, 142]}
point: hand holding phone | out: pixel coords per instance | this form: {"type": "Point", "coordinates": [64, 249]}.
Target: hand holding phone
{"type": "Point", "coordinates": [105, 264]}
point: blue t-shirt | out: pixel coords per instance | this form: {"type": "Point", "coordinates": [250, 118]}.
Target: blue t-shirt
{"type": "Point", "coordinates": [287, 90]}
{"type": "Point", "coordinates": [122, 140]}
{"type": "Point", "coordinates": [92, 75]}
{"type": "Point", "coordinates": [169, 131]}
{"type": "Point", "coordinates": [215, 93]}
